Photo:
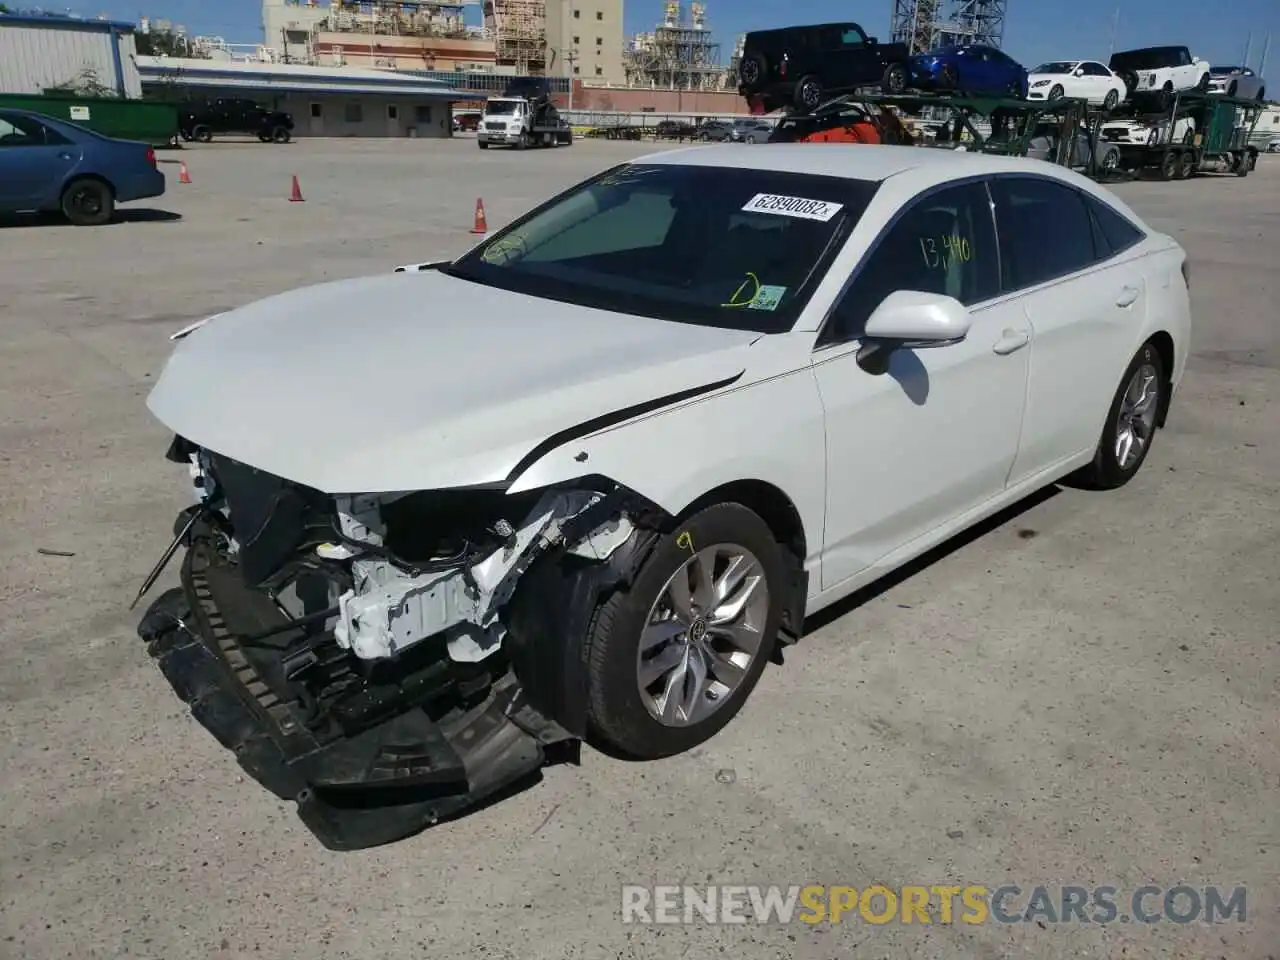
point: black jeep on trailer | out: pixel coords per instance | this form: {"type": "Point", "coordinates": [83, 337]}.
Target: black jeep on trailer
{"type": "Point", "coordinates": [803, 66]}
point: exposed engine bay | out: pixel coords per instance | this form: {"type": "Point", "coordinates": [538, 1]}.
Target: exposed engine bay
{"type": "Point", "coordinates": [386, 660]}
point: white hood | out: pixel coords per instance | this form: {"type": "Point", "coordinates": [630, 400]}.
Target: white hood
{"type": "Point", "coordinates": [419, 381]}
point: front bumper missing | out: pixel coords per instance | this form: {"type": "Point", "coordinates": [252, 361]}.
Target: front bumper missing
{"type": "Point", "coordinates": [389, 780]}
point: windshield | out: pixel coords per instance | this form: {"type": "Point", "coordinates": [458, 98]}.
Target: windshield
{"type": "Point", "coordinates": [715, 246]}
{"type": "Point", "coordinates": [501, 108]}
{"type": "Point", "coordinates": [1153, 59]}
{"type": "Point", "coordinates": [1056, 66]}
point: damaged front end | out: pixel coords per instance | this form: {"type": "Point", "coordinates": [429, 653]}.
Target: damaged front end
{"type": "Point", "coordinates": [388, 661]}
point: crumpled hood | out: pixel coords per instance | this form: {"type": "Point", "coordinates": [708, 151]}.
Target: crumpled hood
{"type": "Point", "coordinates": [419, 381]}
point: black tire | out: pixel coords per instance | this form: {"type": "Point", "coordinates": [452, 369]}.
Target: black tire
{"type": "Point", "coordinates": [1251, 158]}
{"type": "Point", "coordinates": [264, 138]}
{"type": "Point", "coordinates": [1242, 165]}
{"type": "Point", "coordinates": [808, 92]}
{"type": "Point", "coordinates": [1186, 165]}
{"type": "Point", "coordinates": [894, 80]}
{"type": "Point", "coordinates": [1166, 96]}
{"type": "Point", "coordinates": [484, 144]}
{"type": "Point", "coordinates": [949, 78]}
{"type": "Point", "coordinates": [1105, 472]}
{"type": "Point", "coordinates": [1111, 100]}
{"type": "Point", "coordinates": [1110, 161]}
{"type": "Point", "coordinates": [280, 135]}
{"type": "Point", "coordinates": [202, 135]}
{"type": "Point", "coordinates": [1262, 94]}
{"type": "Point", "coordinates": [616, 712]}
{"type": "Point", "coordinates": [1056, 92]}
{"type": "Point", "coordinates": [752, 70]}
{"type": "Point", "coordinates": [1233, 88]}
{"type": "Point", "coordinates": [1203, 85]}
{"type": "Point", "coordinates": [1169, 165]}
{"type": "Point", "coordinates": [88, 203]}
{"type": "Point", "coordinates": [1130, 82]}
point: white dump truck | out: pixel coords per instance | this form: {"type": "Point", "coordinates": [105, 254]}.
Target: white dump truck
{"type": "Point", "coordinates": [523, 116]}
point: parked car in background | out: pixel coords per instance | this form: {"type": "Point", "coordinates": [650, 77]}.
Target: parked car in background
{"type": "Point", "coordinates": [1240, 82]}
{"type": "Point", "coordinates": [1081, 79]}
{"type": "Point", "coordinates": [1274, 146]}
{"type": "Point", "coordinates": [802, 66]}
{"type": "Point", "coordinates": [675, 130]}
{"type": "Point", "coordinates": [468, 122]}
{"type": "Point", "coordinates": [1162, 71]}
{"type": "Point", "coordinates": [715, 131]}
{"type": "Point", "coordinates": [1151, 133]}
{"type": "Point", "coordinates": [752, 131]}
{"type": "Point", "coordinates": [53, 166]}
{"type": "Point", "coordinates": [973, 68]}
{"type": "Point", "coordinates": [199, 121]}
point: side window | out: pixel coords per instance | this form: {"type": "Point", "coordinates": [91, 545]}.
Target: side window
{"type": "Point", "coordinates": [851, 38]}
{"type": "Point", "coordinates": [1116, 230]}
{"type": "Point", "coordinates": [1045, 230]}
{"type": "Point", "coordinates": [944, 244]}
{"type": "Point", "coordinates": [18, 131]}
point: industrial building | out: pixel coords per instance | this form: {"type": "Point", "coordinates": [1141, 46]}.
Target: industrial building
{"type": "Point", "coordinates": [680, 54]}
{"type": "Point", "coordinates": [324, 102]}
{"type": "Point", "coordinates": [42, 52]}
{"type": "Point", "coordinates": [584, 39]}
{"type": "Point", "coordinates": [927, 24]}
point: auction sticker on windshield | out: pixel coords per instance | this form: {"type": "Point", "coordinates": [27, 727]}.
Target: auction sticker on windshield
{"type": "Point", "coordinates": [792, 207]}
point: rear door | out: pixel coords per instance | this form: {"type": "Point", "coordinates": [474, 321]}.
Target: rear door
{"type": "Point", "coordinates": [845, 56]}
{"type": "Point", "coordinates": [1083, 294]}
{"type": "Point", "coordinates": [34, 162]}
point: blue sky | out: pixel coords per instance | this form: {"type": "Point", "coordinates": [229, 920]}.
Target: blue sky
{"type": "Point", "coordinates": [1036, 29]}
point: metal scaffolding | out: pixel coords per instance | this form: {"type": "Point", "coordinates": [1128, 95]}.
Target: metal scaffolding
{"type": "Point", "coordinates": [679, 55]}
{"type": "Point", "coordinates": [519, 32]}
{"type": "Point", "coordinates": [926, 24]}
{"type": "Point", "coordinates": [396, 18]}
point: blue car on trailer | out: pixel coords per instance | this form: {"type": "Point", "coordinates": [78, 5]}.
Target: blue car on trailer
{"type": "Point", "coordinates": [973, 68]}
{"type": "Point", "coordinates": [51, 166]}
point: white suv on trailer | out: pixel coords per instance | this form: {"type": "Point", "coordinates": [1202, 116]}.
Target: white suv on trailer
{"type": "Point", "coordinates": [1160, 70]}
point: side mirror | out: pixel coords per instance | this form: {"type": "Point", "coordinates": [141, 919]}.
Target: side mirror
{"type": "Point", "coordinates": [1080, 72]}
{"type": "Point", "coordinates": [912, 320]}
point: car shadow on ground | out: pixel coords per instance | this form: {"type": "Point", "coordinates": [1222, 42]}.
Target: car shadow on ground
{"type": "Point", "coordinates": [135, 215]}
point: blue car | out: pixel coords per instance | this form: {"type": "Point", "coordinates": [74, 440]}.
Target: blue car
{"type": "Point", "coordinates": [975, 68]}
{"type": "Point", "coordinates": [52, 166]}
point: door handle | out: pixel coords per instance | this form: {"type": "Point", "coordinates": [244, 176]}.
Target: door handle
{"type": "Point", "coordinates": [64, 156]}
{"type": "Point", "coordinates": [1011, 340]}
{"type": "Point", "coordinates": [1127, 296]}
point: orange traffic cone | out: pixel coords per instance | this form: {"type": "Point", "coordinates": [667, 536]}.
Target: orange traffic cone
{"type": "Point", "coordinates": [481, 224]}
{"type": "Point", "coordinates": [296, 195]}
{"type": "Point", "coordinates": [183, 175]}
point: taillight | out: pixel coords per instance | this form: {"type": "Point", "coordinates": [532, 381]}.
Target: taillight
{"type": "Point", "coordinates": [782, 65]}
{"type": "Point", "coordinates": [151, 155]}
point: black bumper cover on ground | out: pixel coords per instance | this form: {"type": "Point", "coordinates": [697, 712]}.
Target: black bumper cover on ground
{"type": "Point", "coordinates": [384, 783]}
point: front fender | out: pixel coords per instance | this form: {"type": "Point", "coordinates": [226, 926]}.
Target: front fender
{"type": "Point", "coordinates": [771, 431]}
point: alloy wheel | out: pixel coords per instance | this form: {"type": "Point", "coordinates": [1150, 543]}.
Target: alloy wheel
{"type": "Point", "coordinates": [702, 634]}
{"type": "Point", "coordinates": [1136, 419]}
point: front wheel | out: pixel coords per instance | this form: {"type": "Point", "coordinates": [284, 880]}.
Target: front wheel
{"type": "Point", "coordinates": [894, 80]}
{"type": "Point", "coordinates": [202, 135]}
{"type": "Point", "coordinates": [1131, 423]}
{"type": "Point", "coordinates": [88, 203]}
{"type": "Point", "coordinates": [672, 659]}
{"type": "Point", "coordinates": [280, 135]}
{"type": "Point", "coordinates": [1056, 92]}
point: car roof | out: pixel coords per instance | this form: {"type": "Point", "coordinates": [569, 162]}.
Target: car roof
{"type": "Point", "coordinates": [853, 161]}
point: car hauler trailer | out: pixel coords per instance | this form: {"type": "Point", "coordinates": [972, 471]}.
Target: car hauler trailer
{"type": "Point", "coordinates": [1197, 132]}
{"type": "Point", "coordinates": [523, 116]}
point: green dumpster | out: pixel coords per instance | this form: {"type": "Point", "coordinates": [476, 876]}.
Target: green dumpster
{"type": "Point", "coordinates": [147, 120]}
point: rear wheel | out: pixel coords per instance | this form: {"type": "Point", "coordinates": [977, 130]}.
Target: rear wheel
{"type": "Point", "coordinates": [202, 135]}
{"type": "Point", "coordinates": [672, 659]}
{"type": "Point", "coordinates": [1166, 95]}
{"type": "Point", "coordinates": [1110, 100]}
{"type": "Point", "coordinates": [1203, 85]}
{"type": "Point", "coordinates": [1131, 423]}
{"type": "Point", "coordinates": [1243, 165]}
{"type": "Point", "coordinates": [1187, 165]}
{"type": "Point", "coordinates": [1169, 165]}
{"type": "Point", "coordinates": [88, 203]}
{"type": "Point", "coordinates": [280, 135]}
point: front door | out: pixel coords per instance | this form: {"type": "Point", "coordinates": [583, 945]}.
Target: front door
{"type": "Point", "coordinates": [34, 162]}
{"type": "Point", "coordinates": [393, 120]}
{"type": "Point", "coordinates": [936, 434]}
{"type": "Point", "coordinates": [316, 121]}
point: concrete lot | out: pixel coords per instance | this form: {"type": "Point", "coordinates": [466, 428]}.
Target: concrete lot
{"type": "Point", "coordinates": [1087, 693]}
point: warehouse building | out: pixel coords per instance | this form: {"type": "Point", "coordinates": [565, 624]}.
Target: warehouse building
{"type": "Point", "coordinates": [39, 52]}
{"type": "Point", "coordinates": [324, 102]}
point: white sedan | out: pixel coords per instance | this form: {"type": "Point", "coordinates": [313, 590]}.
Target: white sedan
{"type": "Point", "coordinates": [1080, 79]}
{"type": "Point", "coordinates": [586, 479]}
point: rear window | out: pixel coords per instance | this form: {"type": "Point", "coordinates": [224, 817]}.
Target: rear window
{"type": "Point", "coordinates": [1152, 59]}
{"type": "Point", "coordinates": [716, 246]}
